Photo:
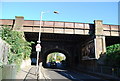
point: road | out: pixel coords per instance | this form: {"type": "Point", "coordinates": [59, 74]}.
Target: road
{"type": "Point", "coordinates": [67, 75]}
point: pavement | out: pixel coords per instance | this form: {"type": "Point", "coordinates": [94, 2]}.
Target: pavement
{"type": "Point", "coordinates": [29, 72]}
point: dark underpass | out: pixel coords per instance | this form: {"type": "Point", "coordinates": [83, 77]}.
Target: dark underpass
{"type": "Point", "coordinates": [70, 45]}
{"type": "Point", "coordinates": [76, 48]}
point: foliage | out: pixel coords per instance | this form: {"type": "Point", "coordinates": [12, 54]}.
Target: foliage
{"type": "Point", "coordinates": [19, 48]}
{"type": "Point", "coordinates": [113, 55]}
{"type": "Point", "coordinates": [55, 56]}
{"type": "Point", "coordinates": [113, 49]}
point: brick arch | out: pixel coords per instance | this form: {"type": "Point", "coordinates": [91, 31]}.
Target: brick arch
{"type": "Point", "coordinates": [47, 52]}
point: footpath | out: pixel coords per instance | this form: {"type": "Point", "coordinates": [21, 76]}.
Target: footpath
{"type": "Point", "coordinates": [29, 73]}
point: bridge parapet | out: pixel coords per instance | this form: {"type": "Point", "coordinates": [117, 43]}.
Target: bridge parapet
{"type": "Point", "coordinates": [60, 27]}
{"type": "Point", "coordinates": [111, 30]}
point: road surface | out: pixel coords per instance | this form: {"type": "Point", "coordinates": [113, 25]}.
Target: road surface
{"type": "Point", "coordinates": [67, 75]}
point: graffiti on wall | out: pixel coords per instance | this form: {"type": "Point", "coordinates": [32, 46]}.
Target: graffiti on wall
{"type": "Point", "coordinates": [88, 50]}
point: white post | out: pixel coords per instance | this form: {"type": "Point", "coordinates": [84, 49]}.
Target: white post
{"type": "Point", "coordinates": [39, 41]}
{"type": "Point", "coordinates": [37, 70]}
{"type": "Point", "coordinates": [40, 27]}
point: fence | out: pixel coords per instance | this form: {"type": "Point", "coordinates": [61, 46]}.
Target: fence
{"type": "Point", "coordinates": [113, 71]}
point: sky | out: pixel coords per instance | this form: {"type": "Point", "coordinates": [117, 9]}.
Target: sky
{"type": "Point", "coordinates": [83, 12]}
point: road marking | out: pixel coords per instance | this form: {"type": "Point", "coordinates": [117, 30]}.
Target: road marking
{"type": "Point", "coordinates": [69, 75]}
{"type": "Point", "coordinates": [72, 76]}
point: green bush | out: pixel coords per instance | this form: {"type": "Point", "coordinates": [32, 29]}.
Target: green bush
{"type": "Point", "coordinates": [113, 55]}
{"type": "Point", "coordinates": [20, 49]}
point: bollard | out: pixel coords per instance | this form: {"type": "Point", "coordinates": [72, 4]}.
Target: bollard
{"type": "Point", "coordinates": [9, 71]}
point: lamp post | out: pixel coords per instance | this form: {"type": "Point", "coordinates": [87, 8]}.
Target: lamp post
{"type": "Point", "coordinates": [38, 46]}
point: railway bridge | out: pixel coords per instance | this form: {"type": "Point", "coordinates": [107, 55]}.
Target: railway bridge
{"type": "Point", "coordinates": [81, 43]}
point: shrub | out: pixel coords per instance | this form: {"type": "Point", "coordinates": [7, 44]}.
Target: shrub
{"type": "Point", "coordinates": [113, 55]}
{"type": "Point", "coordinates": [20, 49]}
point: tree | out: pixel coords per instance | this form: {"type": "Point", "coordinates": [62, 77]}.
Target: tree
{"type": "Point", "coordinates": [113, 55]}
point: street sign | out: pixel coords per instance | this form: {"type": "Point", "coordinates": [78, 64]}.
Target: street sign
{"type": "Point", "coordinates": [38, 47]}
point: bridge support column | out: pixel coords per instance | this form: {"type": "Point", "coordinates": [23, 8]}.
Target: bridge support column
{"type": "Point", "coordinates": [19, 20]}
{"type": "Point", "coordinates": [100, 44]}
